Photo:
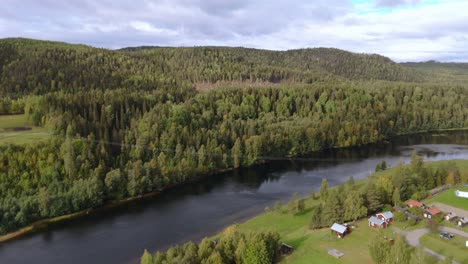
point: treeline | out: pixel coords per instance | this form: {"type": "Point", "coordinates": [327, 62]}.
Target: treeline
{"type": "Point", "coordinates": [10, 106]}
{"type": "Point", "coordinates": [38, 67]}
{"type": "Point", "coordinates": [349, 202]}
{"type": "Point", "coordinates": [232, 247]}
{"type": "Point", "coordinates": [116, 144]}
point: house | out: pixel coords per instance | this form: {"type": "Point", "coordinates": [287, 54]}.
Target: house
{"type": "Point", "coordinates": [286, 249]}
{"type": "Point", "coordinates": [413, 203]}
{"type": "Point", "coordinates": [450, 216]}
{"type": "Point", "coordinates": [376, 222]}
{"type": "Point", "coordinates": [431, 212]}
{"type": "Point", "coordinates": [339, 230]}
{"type": "Point", "coordinates": [386, 216]}
{"type": "Point", "coordinates": [462, 222]}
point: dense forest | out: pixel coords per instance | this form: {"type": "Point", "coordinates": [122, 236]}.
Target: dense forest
{"type": "Point", "coordinates": [232, 247]}
{"type": "Point", "coordinates": [132, 121]}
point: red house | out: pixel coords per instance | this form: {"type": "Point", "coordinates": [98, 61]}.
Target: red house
{"type": "Point", "coordinates": [431, 212]}
{"type": "Point", "coordinates": [413, 203]}
{"type": "Point", "coordinates": [376, 222]}
{"type": "Point", "coordinates": [386, 216]}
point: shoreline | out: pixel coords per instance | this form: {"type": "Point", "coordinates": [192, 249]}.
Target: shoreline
{"type": "Point", "coordinates": [44, 223]}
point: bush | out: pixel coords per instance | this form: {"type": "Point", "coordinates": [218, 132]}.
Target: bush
{"type": "Point", "coordinates": [400, 217]}
{"type": "Point", "coordinates": [420, 195]}
{"type": "Point", "coordinates": [411, 222]}
{"type": "Point", "coordinates": [416, 211]}
{"type": "Point", "coordinates": [433, 226]}
{"type": "Point", "coordinates": [387, 207]}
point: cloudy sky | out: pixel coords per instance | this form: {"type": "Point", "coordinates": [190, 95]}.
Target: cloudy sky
{"type": "Point", "coordinates": [404, 30]}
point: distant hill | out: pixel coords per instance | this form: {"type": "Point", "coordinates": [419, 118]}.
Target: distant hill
{"type": "Point", "coordinates": [35, 67]}
{"type": "Point", "coordinates": [450, 72]}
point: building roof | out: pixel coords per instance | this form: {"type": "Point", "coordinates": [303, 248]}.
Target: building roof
{"type": "Point", "coordinates": [399, 209]}
{"type": "Point", "coordinates": [338, 228]}
{"type": "Point", "coordinates": [451, 215]}
{"type": "Point", "coordinates": [433, 211]}
{"type": "Point", "coordinates": [387, 215]}
{"type": "Point", "coordinates": [414, 203]}
{"type": "Point", "coordinates": [376, 221]}
{"type": "Point", "coordinates": [463, 220]}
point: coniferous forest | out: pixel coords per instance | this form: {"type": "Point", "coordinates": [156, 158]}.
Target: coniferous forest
{"type": "Point", "coordinates": [132, 121]}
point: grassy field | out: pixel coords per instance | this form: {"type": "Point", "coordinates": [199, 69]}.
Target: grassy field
{"type": "Point", "coordinates": [449, 197]}
{"type": "Point", "coordinates": [454, 247]}
{"type": "Point", "coordinates": [16, 129]}
{"type": "Point", "coordinates": [311, 246]}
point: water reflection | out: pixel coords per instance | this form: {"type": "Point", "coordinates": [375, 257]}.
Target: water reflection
{"type": "Point", "coordinates": [195, 210]}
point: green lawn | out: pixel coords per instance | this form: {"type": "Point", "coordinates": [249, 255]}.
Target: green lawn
{"type": "Point", "coordinates": [452, 247]}
{"type": "Point", "coordinates": [448, 197]}
{"type": "Point", "coordinates": [16, 129]}
{"type": "Point", "coordinates": [311, 246]}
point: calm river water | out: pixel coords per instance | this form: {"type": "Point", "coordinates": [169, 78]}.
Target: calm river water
{"type": "Point", "coordinates": [201, 209]}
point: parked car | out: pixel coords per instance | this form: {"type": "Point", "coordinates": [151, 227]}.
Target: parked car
{"type": "Point", "coordinates": [445, 235]}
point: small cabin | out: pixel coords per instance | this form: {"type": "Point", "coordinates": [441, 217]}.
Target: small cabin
{"type": "Point", "coordinates": [431, 213]}
{"type": "Point", "coordinates": [286, 249]}
{"type": "Point", "coordinates": [386, 216]}
{"type": "Point", "coordinates": [413, 203]}
{"type": "Point", "coordinates": [450, 216]}
{"type": "Point", "coordinates": [377, 223]}
{"type": "Point", "coordinates": [339, 230]}
{"type": "Point", "coordinates": [462, 222]}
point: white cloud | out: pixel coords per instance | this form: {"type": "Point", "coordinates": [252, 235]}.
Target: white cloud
{"type": "Point", "coordinates": [415, 30]}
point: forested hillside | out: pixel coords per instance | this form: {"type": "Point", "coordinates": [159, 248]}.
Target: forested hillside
{"type": "Point", "coordinates": [129, 122]}
{"type": "Point", "coordinates": [441, 72]}
{"type": "Point", "coordinates": [37, 67]}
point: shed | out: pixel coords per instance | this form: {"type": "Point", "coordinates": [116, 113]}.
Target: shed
{"type": "Point", "coordinates": [400, 209]}
{"type": "Point", "coordinates": [286, 249]}
{"type": "Point", "coordinates": [386, 216]}
{"type": "Point", "coordinates": [340, 230]}
{"type": "Point", "coordinates": [376, 222]}
{"type": "Point", "coordinates": [410, 215]}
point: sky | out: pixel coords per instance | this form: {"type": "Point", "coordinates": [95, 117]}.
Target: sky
{"type": "Point", "coordinates": [404, 30]}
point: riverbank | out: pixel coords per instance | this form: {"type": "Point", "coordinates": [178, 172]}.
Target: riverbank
{"type": "Point", "coordinates": [312, 245]}
{"type": "Point", "coordinates": [41, 224]}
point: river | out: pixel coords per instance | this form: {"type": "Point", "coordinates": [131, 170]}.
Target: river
{"type": "Point", "coordinates": [193, 211]}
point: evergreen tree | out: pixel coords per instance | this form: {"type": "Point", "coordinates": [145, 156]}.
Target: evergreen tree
{"type": "Point", "coordinates": [323, 190]}
{"type": "Point", "coordinates": [146, 258]}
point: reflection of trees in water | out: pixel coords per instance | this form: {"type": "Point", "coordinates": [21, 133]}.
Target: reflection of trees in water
{"type": "Point", "coordinates": [460, 136]}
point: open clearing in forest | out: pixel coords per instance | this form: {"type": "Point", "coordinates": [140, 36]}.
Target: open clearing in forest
{"type": "Point", "coordinates": [16, 129]}
{"type": "Point", "coordinates": [311, 246]}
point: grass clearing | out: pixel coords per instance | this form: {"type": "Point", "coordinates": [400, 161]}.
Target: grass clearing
{"type": "Point", "coordinates": [448, 197]}
{"type": "Point", "coordinates": [452, 247]}
{"type": "Point", "coordinates": [15, 129]}
{"type": "Point", "coordinates": [311, 246]}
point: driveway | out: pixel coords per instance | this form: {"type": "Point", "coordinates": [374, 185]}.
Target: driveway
{"type": "Point", "coordinates": [412, 237]}
{"type": "Point", "coordinates": [453, 231]}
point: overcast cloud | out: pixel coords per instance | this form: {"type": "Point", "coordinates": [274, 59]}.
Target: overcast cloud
{"type": "Point", "coordinates": [404, 30]}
